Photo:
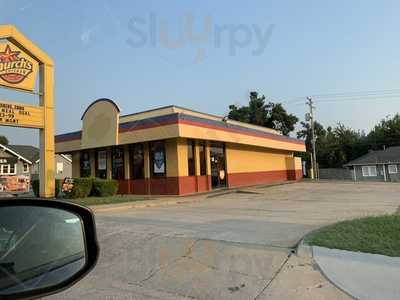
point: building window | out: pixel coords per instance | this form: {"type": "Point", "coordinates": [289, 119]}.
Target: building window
{"type": "Point", "coordinates": [369, 171]}
{"type": "Point", "coordinates": [13, 169]}
{"type": "Point", "coordinates": [101, 164]}
{"type": "Point", "coordinates": [137, 161]}
{"type": "Point", "coordinates": [191, 160]}
{"type": "Point", "coordinates": [392, 169]}
{"type": "Point", "coordinates": [85, 164]}
{"type": "Point", "coordinates": [202, 157]}
{"type": "Point", "coordinates": [157, 159]}
{"type": "Point", "coordinates": [26, 168]}
{"type": "Point", "coordinates": [5, 169]}
{"type": "Point", "coordinates": [118, 166]}
{"type": "Point", "coordinates": [10, 169]}
{"type": "Point", "coordinates": [60, 168]}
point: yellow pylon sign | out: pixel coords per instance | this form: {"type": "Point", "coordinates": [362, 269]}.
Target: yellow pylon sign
{"type": "Point", "coordinates": [20, 60]}
{"type": "Point", "coordinates": [18, 69]}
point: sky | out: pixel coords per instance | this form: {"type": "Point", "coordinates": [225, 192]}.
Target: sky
{"type": "Point", "coordinates": [206, 55]}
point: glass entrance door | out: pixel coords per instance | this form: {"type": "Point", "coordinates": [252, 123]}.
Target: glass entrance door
{"type": "Point", "coordinates": [218, 171]}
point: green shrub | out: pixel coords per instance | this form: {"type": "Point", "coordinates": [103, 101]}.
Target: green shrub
{"type": "Point", "coordinates": [58, 187]}
{"type": "Point", "coordinates": [36, 187]}
{"type": "Point", "coordinates": [81, 188]}
{"type": "Point", "coordinates": [104, 188]}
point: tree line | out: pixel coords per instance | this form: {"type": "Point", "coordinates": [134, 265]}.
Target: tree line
{"type": "Point", "coordinates": [335, 146]}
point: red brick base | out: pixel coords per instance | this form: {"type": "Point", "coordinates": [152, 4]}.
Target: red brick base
{"type": "Point", "coordinates": [254, 178]}
{"type": "Point", "coordinates": [197, 184]}
{"type": "Point", "coordinates": [294, 174]}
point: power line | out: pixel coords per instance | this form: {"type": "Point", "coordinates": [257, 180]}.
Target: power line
{"type": "Point", "coordinates": [364, 98]}
{"type": "Point", "coordinates": [377, 99]}
{"type": "Point", "coordinates": [348, 96]}
{"type": "Point", "coordinates": [359, 93]}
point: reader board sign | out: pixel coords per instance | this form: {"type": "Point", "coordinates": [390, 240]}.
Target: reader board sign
{"type": "Point", "coordinates": [21, 115]}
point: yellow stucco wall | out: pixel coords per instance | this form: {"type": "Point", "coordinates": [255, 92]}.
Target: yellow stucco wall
{"type": "Point", "coordinates": [147, 114]}
{"type": "Point", "coordinates": [76, 164]}
{"type": "Point", "coordinates": [146, 160]}
{"type": "Point", "coordinates": [182, 157]}
{"type": "Point", "coordinates": [243, 158]}
{"type": "Point", "coordinates": [150, 134]}
{"type": "Point", "coordinates": [172, 157]}
{"type": "Point", "coordinates": [297, 163]}
{"type": "Point", "coordinates": [176, 153]}
{"type": "Point", "coordinates": [175, 109]}
{"type": "Point", "coordinates": [68, 146]}
{"type": "Point", "coordinates": [239, 158]}
{"type": "Point", "coordinates": [196, 132]}
{"type": "Point", "coordinates": [100, 125]}
{"type": "Point", "coordinates": [293, 163]}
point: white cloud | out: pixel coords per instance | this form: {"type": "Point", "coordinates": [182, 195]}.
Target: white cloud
{"type": "Point", "coordinates": [87, 35]}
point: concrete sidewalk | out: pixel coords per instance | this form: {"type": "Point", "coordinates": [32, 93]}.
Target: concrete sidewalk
{"type": "Point", "coordinates": [235, 246]}
{"type": "Point", "coordinates": [161, 201]}
{"type": "Point", "coordinates": [152, 202]}
{"type": "Point", "coordinates": [362, 275]}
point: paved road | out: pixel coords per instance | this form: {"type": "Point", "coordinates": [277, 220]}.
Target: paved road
{"type": "Point", "coordinates": [235, 246]}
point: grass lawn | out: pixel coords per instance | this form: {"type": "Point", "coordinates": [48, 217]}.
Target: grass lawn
{"type": "Point", "coordinates": [106, 200]}
{"type": "Point", "coordinates": [377, 235]}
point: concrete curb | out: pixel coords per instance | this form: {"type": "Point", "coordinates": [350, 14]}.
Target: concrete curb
{"type": "Point", "coordinates": [305, 251]}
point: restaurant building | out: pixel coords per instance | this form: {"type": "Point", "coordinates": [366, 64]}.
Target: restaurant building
{"type": "Point", "coordinates": [176, 151]}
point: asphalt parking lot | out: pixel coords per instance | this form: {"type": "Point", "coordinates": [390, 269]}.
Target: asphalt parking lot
{"type": "Point", "coordinates": [234, 246]}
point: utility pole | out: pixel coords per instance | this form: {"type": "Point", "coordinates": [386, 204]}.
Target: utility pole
{"type": "Point", "coordinates": [310, 118]}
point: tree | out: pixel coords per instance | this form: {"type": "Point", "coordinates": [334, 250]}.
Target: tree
{"type": "Point", "coordinates": [258, 112]}
{"type": "Point", "coordinates": [305, 134]}
{"type": "Point", "coordinates": [334, 146]}
{"type": "Point", "coordinates": [386, 133]}
{"type": "Point", "coordinates": [3, 140]}
{"type": "Point", "coordinates": [279, 119]}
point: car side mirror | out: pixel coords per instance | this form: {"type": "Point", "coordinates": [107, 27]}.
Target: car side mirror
{"type": "Point", "coordinates": [45, 247]}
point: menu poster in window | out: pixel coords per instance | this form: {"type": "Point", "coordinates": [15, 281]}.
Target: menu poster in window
{"type": "Point", "coordinates": [119, 158]}
{"type": "Point", "coordinates": [102, 160]}
{"type": "Point", "coordinates": [159, 162]}
{"type": "Point", "coordinates": [85, 161]}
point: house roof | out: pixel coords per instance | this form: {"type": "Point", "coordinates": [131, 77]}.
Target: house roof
{"type": "Point", "coordinates": [66, 157]}
{"type": "Point", "coordinates": [26, 152]}
{"type": "Point", "coordinates": [389, 155]}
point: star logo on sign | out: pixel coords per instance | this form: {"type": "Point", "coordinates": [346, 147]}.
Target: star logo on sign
{"type": "Point", "coordinates": [8, 55]}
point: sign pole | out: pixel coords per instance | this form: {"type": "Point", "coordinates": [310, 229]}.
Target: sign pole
{"type": "Point", "coordinates": [47, 148]}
